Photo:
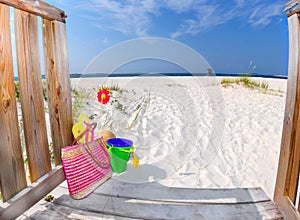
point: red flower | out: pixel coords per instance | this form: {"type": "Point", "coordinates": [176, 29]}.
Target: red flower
{"type": "Point", "coordinates": [103, 96]}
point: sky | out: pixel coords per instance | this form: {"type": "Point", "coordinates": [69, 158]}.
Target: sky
{"type": "Point", "coordinates": [233, 36]}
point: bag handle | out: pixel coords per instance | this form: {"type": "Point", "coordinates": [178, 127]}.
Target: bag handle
{"type": "Point", "coordinates": [100, 164]}
{"type": "Point", "coordinates": [89, 127]}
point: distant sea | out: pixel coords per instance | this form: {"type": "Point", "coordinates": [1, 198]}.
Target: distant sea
{"type": "Point", "coordinates": [174, 74]}
{"type": "Point", "coordinates": [90, 75]}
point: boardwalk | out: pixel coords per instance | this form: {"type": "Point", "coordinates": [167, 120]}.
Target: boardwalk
{"type": "Point", "coordinates": [118, 200]}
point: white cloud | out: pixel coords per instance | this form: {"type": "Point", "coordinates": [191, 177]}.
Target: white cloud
{"type": "Point", "coordinates": [135, 17]}
{"type": "Point", "coordinates": [179, 6]}
{"type": "Point", "coordinates": [263, 14]}
{"type": "Point", "coordinates": [211, 15]}
{"type": "Point", "coordinates": [208, 16]}
{"type": "Point", "coordinates": [130, 16]}
{"type": "Point", "coordinates": [190, 27]}
{"type": "Point", "coordinates": [240, 3]}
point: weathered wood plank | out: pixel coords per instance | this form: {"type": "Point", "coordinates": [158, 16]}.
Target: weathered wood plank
{"type": "Point", "coordinates": [12, 172]}
{"type": "Point", "coordinates": [289, 106]}
{"type": "Point", "coordinates": [298, 202]}
{"type": "Point", "coordinates": [58, 83]}
{"type": "Point", "coordinates": [32, 194]}
{"type": "Point", "coordinates": [37, 7]}
{"type": "Point", "coordinates": [154, 201]}
{"type": "Point", "coordinates": [288, 168]}
{"type": "Point", "coordinates": [294, 157]}
{"type": "Point", "coordinates": [287, 208]}
{"type": "Point", "coordinates": [157, 192]}
{"type": "Point", "coordinates": [29, 71]}
{"type": "Point", "coordinates": [148, 209]}
{"type": "Point", "coordinates": [292, 8]}
{"type": "Point", "coordinates": [57, 212]}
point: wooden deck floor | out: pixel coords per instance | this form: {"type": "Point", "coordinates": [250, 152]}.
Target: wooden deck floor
{"type": "Point", "coordinates": [117, 200]}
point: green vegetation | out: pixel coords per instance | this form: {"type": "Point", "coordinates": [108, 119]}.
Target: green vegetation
{"type": "Point", "coordinates": [17, 90]}
{"type": "Point", "coordinates": [77, 100]}
{"type": "Point", "coordinates": [113, 87]}
{"type": "Point", "coordinates": [49, 198]}
{"type": "Point", "coordinates": [44, 88]}
{"type": "Point", "coordinates": [51, 153]}
{"type": "Point", "coordinates": [123, 110]}
{"type": "Point", "coordinates": [247, 82]}
{"type": "Point", "coordinates": [228, 81]}
{"type": "Point", "coordinates": [264, 85]}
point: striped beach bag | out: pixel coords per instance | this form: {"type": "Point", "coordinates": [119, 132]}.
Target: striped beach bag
{"type": "Point", "coordinates": [86, 165]}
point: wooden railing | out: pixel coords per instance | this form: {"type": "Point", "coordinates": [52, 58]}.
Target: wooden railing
{"type": "Point", "coordinates": [286, 191]}
{"type": "Point", "coordinates": [16, 194]}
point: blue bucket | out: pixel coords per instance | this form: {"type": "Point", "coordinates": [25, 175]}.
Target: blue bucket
{"type": "Point", "coordinates": [119, 150]}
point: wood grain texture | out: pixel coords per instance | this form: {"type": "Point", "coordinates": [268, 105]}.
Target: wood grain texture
{"type": "Point", "coordinates": [29, 72]}
{"type": "Point", "coordinates": [56, 212]}
{"type": "Point", "coordinates": [131, 207]}
{"type": "Point", "coordinates": [29, 196]}
{"type": "Point", "coordinates": [293, 99]}
{"type": "Point", "coordinates": [121, 200]}
{"type": "Point", "coordinates": [37, 7]}
{"type": "Point", "coordinates": [289, 161]}
{"type": "Point", "coordinates": [12, 172]}
{"type": "Point", "coordinates": [181, 195]}
{"type": "Point", "coordinates": [287, 207]}
{"type": "Point", "coordinates": [294, 11]}
{"type": "Point", "coordinates": [58, 84]}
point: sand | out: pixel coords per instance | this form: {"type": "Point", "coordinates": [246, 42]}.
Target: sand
{"type": "Point", "coordinates": [192, 131]}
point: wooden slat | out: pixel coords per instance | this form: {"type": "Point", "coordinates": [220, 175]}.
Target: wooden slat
{"type": "Point", "coordinates": [291, 130]}
{"type": "Point", "coordinates": [299, 201]}
{"type": "Point", "coordinates": [287, 208]}
{"type": "Point", "coordinates": [58, 83]}
{"type": "Point", "coordinates": [12, 172]}
{"type": "Point", "coordinates": [56, 212]}
{"type": "Point", "coordinates": [118, 200]}
{"type": "Point", "coordinates": [147, 209]}
{"type": "Point", "coordinates": [294, 162]}
{"type": "Point", "coordinates": [289, 109]}
{"type": "Point", "coordinates": [37, 7]}
{"type": "Point", "coordinates": [182, 195]}
{"type": "Point", "coordinates": [288, 168]}
{"type": "Point", "coordinates": [28, 57]}
{"type": "Point", "coordinates": [29, 196]}
{"type": "Point", "coordinates": [291, 12]}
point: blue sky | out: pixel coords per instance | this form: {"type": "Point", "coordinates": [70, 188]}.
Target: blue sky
{"type": "Point", "coordinates": [234, 36]}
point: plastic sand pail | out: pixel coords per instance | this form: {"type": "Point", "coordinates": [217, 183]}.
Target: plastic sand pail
{"type": "Point", "coordinates": [119, 151]}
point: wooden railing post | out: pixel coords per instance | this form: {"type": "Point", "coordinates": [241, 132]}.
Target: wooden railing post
{"type": "Point", "coordinates": [30, 81]}
{"type": "Point", "coordinates": [12, 172]}
{"type": "Point", "coordinates": [58, 83]}
{"type": "Point", "coordinates": [286, 189]}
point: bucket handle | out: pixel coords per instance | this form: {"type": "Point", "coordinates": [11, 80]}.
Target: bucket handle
{"type": "Point", "coordinates": [127, 151]}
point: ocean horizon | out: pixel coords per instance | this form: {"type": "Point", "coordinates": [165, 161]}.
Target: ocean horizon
{"type": "Point", "coordinates": [91, 75]}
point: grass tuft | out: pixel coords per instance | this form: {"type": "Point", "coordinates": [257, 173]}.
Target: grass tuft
{"type": "Point", "coordinates": [250, 83]}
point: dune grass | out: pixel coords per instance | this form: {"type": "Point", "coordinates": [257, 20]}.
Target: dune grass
{"type": "Point", "coordinates": [261, 86]}
{"type": "Point", "coordinates": [245, 81]}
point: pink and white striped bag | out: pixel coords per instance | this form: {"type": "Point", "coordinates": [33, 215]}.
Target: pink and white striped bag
{"type": "Point", "coordinates": [86, 165]}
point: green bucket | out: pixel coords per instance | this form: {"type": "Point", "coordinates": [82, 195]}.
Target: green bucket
{"type": "Point", "coordinates": [119, 151]}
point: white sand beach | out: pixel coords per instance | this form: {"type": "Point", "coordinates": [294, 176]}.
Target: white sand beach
{"type": "Point", "coordinates": [192, 131]}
